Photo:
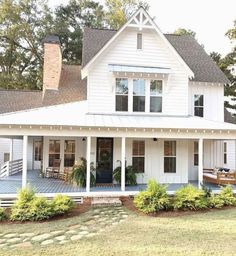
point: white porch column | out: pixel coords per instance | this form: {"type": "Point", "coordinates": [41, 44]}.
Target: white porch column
{"type": "Point", "coordinates": [11, 150]}
{"type": "Point", "coordinates": [88, 157]}
{"type": "Point", "coordinates": [123, 164]}
{"type": "Point", "coordinates": [200, 162]}
{"type": "Point", "coordinates": [24, 167]}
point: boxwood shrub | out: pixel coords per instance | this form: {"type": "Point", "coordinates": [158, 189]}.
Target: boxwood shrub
{"type": "Point", "coordinates": [3, 215]}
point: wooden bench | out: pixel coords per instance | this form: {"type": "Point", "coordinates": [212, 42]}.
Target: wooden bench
{"type": "Point", "coordinates": [220, 178]}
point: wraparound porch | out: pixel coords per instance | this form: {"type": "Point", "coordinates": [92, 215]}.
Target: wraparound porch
{"type": "Point", "coordinates": [10, 186]}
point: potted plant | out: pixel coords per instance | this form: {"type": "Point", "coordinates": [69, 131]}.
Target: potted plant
{"type": "Point", "coordinates": [130, 175]}
{"type": "Point", "coordinates": [78, 174]}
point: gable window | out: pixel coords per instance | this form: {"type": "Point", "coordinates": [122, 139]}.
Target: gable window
{"type": "Point", "coordinates": [139, 41]}
{"type": "Point", "coordinates": [169, 156]}
{"type": "Point", "coordinates": [156, 96]}
{"type": "Point", "coordinates": [69, 153]}
{"type": "Point", "coordinates": [199, 105]}
{"type": "Point", "coordinates": [122, 94]}
{"type": "Point", "coordinates": [225, 152]}
{"type": "Point", "coordinates": [195, 160]}
{"type": "Point", "coordinates": [138, 156]}
{"type": "Point", "coordinates": [139, 95]}
{"type": "Point", "coordinates": [54, 151]}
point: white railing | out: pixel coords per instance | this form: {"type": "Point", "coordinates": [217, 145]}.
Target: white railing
{"type": "Point", "coordinates": [11, 167]}
{"type": "Point", "coordinates": [4, 172]}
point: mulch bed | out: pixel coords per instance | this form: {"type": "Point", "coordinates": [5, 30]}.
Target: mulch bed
{"type": "Point", "coordinates": [79, 209]}
{"type": "Point", "coordinates": [128, 203]}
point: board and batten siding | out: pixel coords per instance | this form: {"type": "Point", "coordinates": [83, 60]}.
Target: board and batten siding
{"type": "Point", "coordinates": [213, 99]}
{"type": "Point", "coordinates": [155, 53]}
{"type": "Point", "coordinates": [231, 155]}
{"type": "Point", "coordinates": [154, 160]}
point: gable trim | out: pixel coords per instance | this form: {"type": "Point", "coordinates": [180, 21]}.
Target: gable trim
{"type": "Point", "coordinates": [84, 71]}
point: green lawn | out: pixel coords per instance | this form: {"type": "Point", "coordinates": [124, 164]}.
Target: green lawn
{"type": "Point", "coordinates": [212, 233]}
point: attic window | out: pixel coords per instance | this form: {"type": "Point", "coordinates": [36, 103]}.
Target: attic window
{"type": "Point", "coordinates": [139, 41]}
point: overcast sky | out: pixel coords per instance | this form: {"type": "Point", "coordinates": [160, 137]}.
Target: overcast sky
{"type": "Point", "coordinates": [210, 19]}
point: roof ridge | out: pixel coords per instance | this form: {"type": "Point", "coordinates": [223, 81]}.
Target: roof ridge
{"type": "Point", "coordinates": [107, 29]}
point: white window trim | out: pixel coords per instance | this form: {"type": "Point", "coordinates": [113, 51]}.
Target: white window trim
{"type": "Point", "coordinates": [147, 96]}
{"type": "Point", "coordinates": [203, 107]}
{"type": "Point", "coordinates": [144, 156]}
{"type": "Point", "coordinates": [170, 173]}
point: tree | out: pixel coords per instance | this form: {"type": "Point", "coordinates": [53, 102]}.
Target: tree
{"type": "Point", "coordinates": [69, 23]}
{"type": "Point", "coordinates": [119, 11]}
{"type": "Point", "coordinates": [23, 25]}
{"type": "Point", "coordinates": [183, 31]}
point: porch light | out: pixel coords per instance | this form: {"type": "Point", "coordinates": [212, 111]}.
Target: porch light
{"type": "Point", "coordinates": [83, 139]}
{"type": "Point", "coordinates": [154, 139]}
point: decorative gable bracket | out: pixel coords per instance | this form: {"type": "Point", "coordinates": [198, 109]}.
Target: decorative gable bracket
{"type": "Point", "coordinates": [140, 20]}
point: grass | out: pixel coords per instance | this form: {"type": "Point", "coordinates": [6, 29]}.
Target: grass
{"type": "Point", "coordinates": [211, 233]}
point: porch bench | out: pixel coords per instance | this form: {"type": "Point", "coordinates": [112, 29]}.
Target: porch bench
{"type": "Point", "coordinates": [219, 178]}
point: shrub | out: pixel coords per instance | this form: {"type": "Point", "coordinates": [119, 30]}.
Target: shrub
{"type": "Point", "coordinates": [41, 209]}
{"type": "Point", "coordinates": [62, 204]}
{"type": "Point", "coordinates": [190, 198]}
{"type": "Point", "coordinates": [130, 175]}
{"type": "Point", "coordinates": [215, 201]}
{"type": "Point", "coordinates": [3, 215]}
{"type": "Point", "coordinates": [227, 196]}
{"type": "Point", "coordinates": [78, 174]}
{"type": "Point", "coordinates": [21, 208]}
{"type": "Point", "coordinates": [153, 199]}
{"type": "Point", "coordinates": [30, 207]}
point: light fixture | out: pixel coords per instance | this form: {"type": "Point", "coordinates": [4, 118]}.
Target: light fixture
{"type": "Point", "coordinates": [83, 139]}
{"type": "Point", "coordinates": [154, 139]}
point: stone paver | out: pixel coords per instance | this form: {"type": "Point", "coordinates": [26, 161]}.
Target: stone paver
{"type": "Point", "coordinates": [47, 242]}
{"type": "Point", "coordinates": [94, 222]}
{"type": "Point", "coordinates": [40, 238]}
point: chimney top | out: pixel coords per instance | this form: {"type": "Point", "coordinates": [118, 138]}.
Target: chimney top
{"type": "Point", "coordinates": [51, 39]}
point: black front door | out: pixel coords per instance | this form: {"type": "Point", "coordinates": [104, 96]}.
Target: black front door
{"type": "Point", "coordinates": [104, 160]}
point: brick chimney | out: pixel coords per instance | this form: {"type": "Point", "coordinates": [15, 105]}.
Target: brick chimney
{"type": "Point", "coordinates": [52, 63]}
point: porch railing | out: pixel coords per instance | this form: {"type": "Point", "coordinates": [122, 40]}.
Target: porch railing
{"type": "Point", "coordinates": [11, 167]}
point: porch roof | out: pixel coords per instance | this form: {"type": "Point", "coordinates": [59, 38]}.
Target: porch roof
{"type": "Point", "coordinates": [76, 114]}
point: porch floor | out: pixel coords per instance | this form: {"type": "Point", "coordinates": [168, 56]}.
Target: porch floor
{"type": "Point", "coordinates": [10, 185]}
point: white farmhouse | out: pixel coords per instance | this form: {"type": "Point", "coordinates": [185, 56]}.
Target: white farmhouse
{"type": "Point", "coordinates": [142, 98]}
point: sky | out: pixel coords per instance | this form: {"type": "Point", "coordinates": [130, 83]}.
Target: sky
{"type": "Point", "coordinates": [210, 19]}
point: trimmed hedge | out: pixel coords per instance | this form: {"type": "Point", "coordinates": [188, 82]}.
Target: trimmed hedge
{"type": "Point", "coordinates": [3, 215]}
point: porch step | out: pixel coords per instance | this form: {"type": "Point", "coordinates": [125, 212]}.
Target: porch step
{"type": "Point", "coordinates": [106, 201]}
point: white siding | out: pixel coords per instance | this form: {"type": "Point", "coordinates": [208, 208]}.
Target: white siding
{"type": "Point", "coordinates": [17, 149]}
{"type": "Point", "coordinates": [213, 100]}
{"type": "Point", "coordinates": [101, 82]}
{"type": "Point", "coordinates": [4, 148]}
{"type": "Point", "coordinates": [231, 155]}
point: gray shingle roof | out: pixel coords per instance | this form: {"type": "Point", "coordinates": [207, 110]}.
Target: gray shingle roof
{"type": "Point", "coordinates": [203, 67]}
{"type": "Point", "coordinates": [71, 89]}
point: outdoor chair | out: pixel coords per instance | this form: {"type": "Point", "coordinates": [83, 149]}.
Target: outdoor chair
{"type": "Point", "coordinates": [54, 171]}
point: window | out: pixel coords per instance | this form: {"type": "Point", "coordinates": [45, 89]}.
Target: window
{"type": "Point", "coordinates": [6, 157]}
{"type": "Point", "coordinates": [198, 105]}
{"type": "Point", "coordinates": [139, 95]}
{"type": "Point", "coordinates": [54, 151]}
{"type": "Point", "coordinates": [155, 96]}
{"type": "Point", "coordinates": [37, 150]}
{"type": "Point", "coordinates": [121, 94]}
{"type": "Point", "coordinates": [139, 41]}
{"type": "Point", "coordinates": [225, 152]}
{"type": "Point", "coordinates": [170, 156]}
{"type": "Point", "coordinates": [195, 160]}
{"type": "Point", "coordinates": [138, 159]}
{"type": "Point", "coordinates": [69, 153]}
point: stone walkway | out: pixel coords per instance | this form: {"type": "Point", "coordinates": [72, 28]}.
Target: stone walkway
{"type": "Point", "coordinates": [95, 221]}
